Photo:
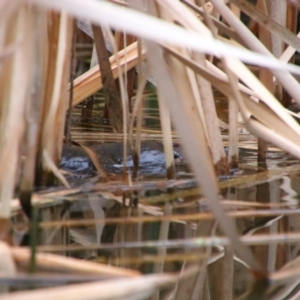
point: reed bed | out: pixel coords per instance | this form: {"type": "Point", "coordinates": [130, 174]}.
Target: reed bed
{"type": "Point", "coordinates": [190, 51]}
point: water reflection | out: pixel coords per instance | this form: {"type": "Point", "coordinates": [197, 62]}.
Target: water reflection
{"type": "Point", "coordinates": [269, 187]}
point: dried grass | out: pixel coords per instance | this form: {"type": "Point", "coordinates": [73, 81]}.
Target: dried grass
{"type": "Point", "coordinates": [34, 102]}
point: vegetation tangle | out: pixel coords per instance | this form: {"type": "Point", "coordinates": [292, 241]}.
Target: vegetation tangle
{"type": "Point", "coordinates": [98, 204]}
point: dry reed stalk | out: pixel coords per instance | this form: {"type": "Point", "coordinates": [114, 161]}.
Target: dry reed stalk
{"type": "Point", "coordinates": [201, 284]}
{"type": "Point", "coordinates": [211, 120]}
{"type": "Point", "coordinates": [286, 139]}
{"type": "Point", "coordinates": [38, 22]}
{"type": "Point", "coordinates": [163, 235]}
{"type": "Point", "coordinates": [183, 15]}
{"type": "Point", "coordinates": [122, 68]}
{"type": "Point", "coordinates": [116, 17]}
{"type": "Point", "coordinates": [165, 118]}
{"type": "Point", "coordinates": [265, 77]}
{"type": "Point", "coordinates": [52, 261]}
{"type": "Point", "coordinates": [96, 162]}
{"type": "Point", "coordinates": [260, 111]}
{"type": "Point", "coordinates": [129, 76]}
{"type": "Point", "coordinates": [131, 289]}
{"type": "Point", "coordinates": [7, 8]}
{"type": "Point", "coordinates": [274, 250]}
{"type": "Point", "coordinates": [89, 83]}
{"type": "Point", "coordinates": [286, 277]}
{"type": "Point", "coordinates": [136, 234]}
{"type": "Point", "coordinates": [228, 271]}
{"type": "Point", "coordinates": [7, 265]}
{"type": "Point", "coordinates": [222, 76]}
{"type": "Point", "coordinates": [291, 18]}
{"type": "Point", "coordinates": [212, 123]}
{"type": "Point", "coordinates": [172, 218]}
{"type": "Point", "coordinates": [193, 288]}
{"type": "Point", "coordinates": [278, 13]}
{"type": "Point", "coordinates": [137, 112]}
{"type": "Point", "coordinates": [52, 126]}
{"type": "Point", "coordinates": [165, 121]}
{"type": "Point", "coordinates": [288, 82]}
{"type": "Point", "coordinates": [233, 150]}
{"type": "Point", "coordinates": [191, 132]}
{"type": "Point", "coordinates": [121, 235]}
{"type": "Point", "coordinates": [190, 257]}
{"type": "Point", "coordinates": [112, 98]}
{"type": "Point", "coordinates": [88, 104]}
{"type": "Point", "coordinates": [195, 243]}
{"type": "Point", "coordinates": [221, 27]}
{"type": "Point", "coordinates": [274, 26]}
{"type": "Point", "coordinates": [289, 52]}
{"type": "Point", "coordinates": [14, 92]}
{"type": "Point", "coordinates": [271, 103]}
{"type": "Point", "coordinates": [67, 129]}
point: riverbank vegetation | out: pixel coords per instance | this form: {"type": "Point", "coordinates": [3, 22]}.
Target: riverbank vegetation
{"type": "Point", "coordinates": [191, 51]}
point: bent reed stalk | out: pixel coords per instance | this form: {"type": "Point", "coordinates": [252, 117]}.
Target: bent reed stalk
{"type": "Point", "coordinates": [174, 42]}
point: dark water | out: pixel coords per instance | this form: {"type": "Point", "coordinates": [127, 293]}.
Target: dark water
{"type": "Point", "coordinates": [151, 158]}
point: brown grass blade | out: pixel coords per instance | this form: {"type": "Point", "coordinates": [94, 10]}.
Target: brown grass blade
{"type": "Point", "coordinates": [208, 185]}
{"type": "Point", "coordinates": [267, 22]}
{"type": "Point", "coordinates": [134, 288]}
{"type": "Point", "coordinates": [13, 97]}
{"type": "Point", "coordinates": [112, 97]}
{"type": "Point", "coordinates": [52, 261]}
{"type": "Point", "coordinates": [95, 160]}
{"type": "Point", "coordinates": [38, 24]}
{"type": "Point", "coordinates": [90, 82]}
{"type": "Point", "coordinates": [283, 119]}
{"type": "Point", "coordinates": [55, 103]}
